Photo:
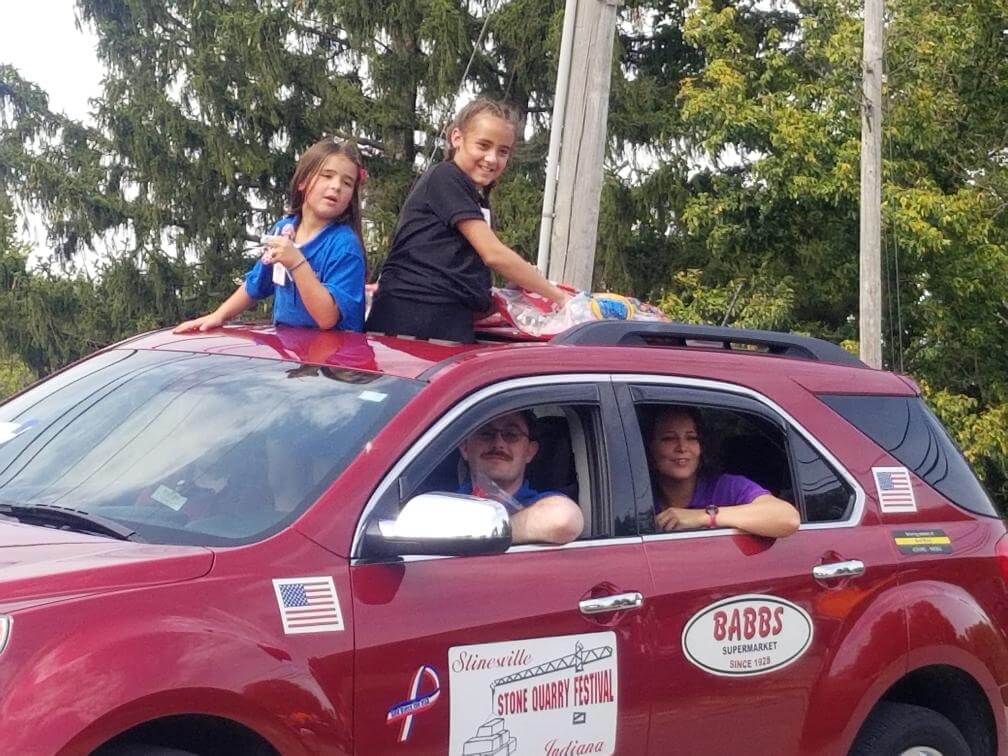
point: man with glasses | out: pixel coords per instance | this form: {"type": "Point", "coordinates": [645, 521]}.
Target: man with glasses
{"type": "Point", "coordinates": [497, 455]}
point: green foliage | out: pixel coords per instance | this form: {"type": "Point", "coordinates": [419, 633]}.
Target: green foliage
{"type": "Point", "coordinates": [754, 302]}
{"type": "Point", "coordinates": [49, 318]}
{"type": "Point", "coordinates": [14, 375]}
{"type": "Point", "coordinates": [774, 117]}
{"type": "Point", "coordinates": [980, 432]}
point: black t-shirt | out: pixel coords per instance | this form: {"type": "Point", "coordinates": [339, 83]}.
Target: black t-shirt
{"type": "Point", "coordinates": [430, 260]}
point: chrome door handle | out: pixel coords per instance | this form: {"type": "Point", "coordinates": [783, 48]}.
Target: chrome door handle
{"type": "Point", "coordinates": [850, 568]}
{"type": "Point", "coordinates": [617, 603]}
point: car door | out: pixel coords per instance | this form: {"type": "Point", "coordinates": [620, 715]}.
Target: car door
{"type": "Point", "coordinates": [746, 629]}
{"type": "Point", "coordinates": [508, 653]}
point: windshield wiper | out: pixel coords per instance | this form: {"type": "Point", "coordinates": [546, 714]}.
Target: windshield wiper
{"type": "Point", "coordinates": [71, 519]}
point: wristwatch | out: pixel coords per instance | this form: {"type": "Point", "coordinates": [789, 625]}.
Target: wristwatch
{"type": "Point", "coordinates": [712, 511]}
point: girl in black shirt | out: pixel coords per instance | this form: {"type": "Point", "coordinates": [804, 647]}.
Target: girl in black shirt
{"type": "Point", "coordinates": [436, 278]}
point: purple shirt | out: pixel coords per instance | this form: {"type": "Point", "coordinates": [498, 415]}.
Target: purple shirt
{"type": "Point", "coordinates": [724, 491]}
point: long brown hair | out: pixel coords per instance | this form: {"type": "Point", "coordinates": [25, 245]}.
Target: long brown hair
{"type": "Point", "coordinates": [311, 163]}
{"type": "Point", "coordinates": [478, 107]}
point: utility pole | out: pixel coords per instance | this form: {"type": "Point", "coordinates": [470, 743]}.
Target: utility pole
{"type": "Point", "coordinates": [582, 142]}
{"type": "Point", "coordinates": [870, 322]}
{"type": "Point", "coordinates": [556, 133]}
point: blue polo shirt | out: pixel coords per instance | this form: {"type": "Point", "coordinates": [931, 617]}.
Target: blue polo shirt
{"type": "Point", "coordinates": [337, 257]}
{"type": "Point", "coordinates": [523, 496]}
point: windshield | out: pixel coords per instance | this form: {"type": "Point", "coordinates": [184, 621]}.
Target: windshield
{"type": "Point", "coordinates": [190, 448]}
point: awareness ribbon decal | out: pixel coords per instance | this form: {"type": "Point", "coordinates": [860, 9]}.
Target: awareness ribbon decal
{"type": "Point", "coordinates": [416, 703]}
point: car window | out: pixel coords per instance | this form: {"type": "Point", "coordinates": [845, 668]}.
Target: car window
{"type": "Point", "coordinates": [571, 460]}
{"type": "Point", "coordinates": [740, 442]}
{"type": "Point", "coordinates": [824, 495]}
{"type": "Point", "coordinates": [190, 448]}
{"type": "Point", "coordinates": [907, 429]}
{"type": "Point", "coordinates": [566, 462]}
{"type": "Point", "coordinates": [727, 443]}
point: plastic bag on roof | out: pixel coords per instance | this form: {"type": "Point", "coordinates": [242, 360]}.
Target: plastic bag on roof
{"type": "Point", "coordinates": [538, 316]}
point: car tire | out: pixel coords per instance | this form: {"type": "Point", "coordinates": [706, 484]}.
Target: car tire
{"type": "Point", "coordinates": [894, 729]}
{"type": "Point", "coordinates": [140, 749]}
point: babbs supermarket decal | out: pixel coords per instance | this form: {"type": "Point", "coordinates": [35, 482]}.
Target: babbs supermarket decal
{"type": "Point", "coordinates": [553, 696]}
{"type": "Point", "coordinates": [747, 635]}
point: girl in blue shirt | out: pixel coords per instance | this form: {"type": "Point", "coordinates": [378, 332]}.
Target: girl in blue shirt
{"type": "Point", "coordinates": [313, 258]}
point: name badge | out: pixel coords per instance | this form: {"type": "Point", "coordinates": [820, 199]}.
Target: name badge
{"type": "Point", "coordinates": [279, 274]}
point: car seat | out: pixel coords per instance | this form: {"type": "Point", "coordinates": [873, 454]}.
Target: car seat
{"type": "Point", "coordinates": [758, 458]}
{"type": "Point", "coordinates": [552, 469]}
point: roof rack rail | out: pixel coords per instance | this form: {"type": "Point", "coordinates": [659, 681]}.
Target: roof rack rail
{"type": "Point", "coordinates": [643, 333]}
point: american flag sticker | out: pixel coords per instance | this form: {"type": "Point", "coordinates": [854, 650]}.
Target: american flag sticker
{"type": "Point", "coordinates": [308, 605]}
{"type": "Point", "coordinates": [894, 489]}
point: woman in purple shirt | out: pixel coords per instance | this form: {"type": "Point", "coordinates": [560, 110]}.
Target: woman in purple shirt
{"type": "Point", "coordinates": [686, 499]}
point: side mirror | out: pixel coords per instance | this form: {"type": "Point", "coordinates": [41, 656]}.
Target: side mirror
{"type": "Point", "coordinates": [442, 524]}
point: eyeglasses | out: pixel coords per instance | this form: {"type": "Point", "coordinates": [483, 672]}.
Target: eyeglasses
{"type": "Point", "coordinates": [508, 435]}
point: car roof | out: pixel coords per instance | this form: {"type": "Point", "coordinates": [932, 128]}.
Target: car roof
{"type": "Point", "coordinates": [402, 357]}
{"type": "Point", "coordinates": [604, 346]}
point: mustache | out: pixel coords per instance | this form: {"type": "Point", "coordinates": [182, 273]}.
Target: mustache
{"type": "Point", "coordinates": [496, 455]}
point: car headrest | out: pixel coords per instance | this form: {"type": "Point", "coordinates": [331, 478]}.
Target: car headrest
{"type": "Point", "coordinates": [553, 467]}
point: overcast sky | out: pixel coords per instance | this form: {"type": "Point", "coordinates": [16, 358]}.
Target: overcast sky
{"type": "Point", "coordinates": [41, 40]}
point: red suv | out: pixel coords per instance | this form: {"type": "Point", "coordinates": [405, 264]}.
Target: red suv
{"type": "Point", "coordinates": [250, 541]}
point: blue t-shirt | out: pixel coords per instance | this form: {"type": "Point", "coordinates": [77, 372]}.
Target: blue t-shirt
{"type": "Point", "coordinates": [523, 496]}
{"type": "Point", "coordinates": [336, 256]}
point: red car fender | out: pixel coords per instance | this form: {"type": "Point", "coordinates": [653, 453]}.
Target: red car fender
{"type": "Point", "coordinates": [947, 626]}
{"type": "Point", "coordinates": [855, 675]}
{"type": "Point", "coordinates": [96, 681]}
{"type": "Point", "coordinates": [225, 704]}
